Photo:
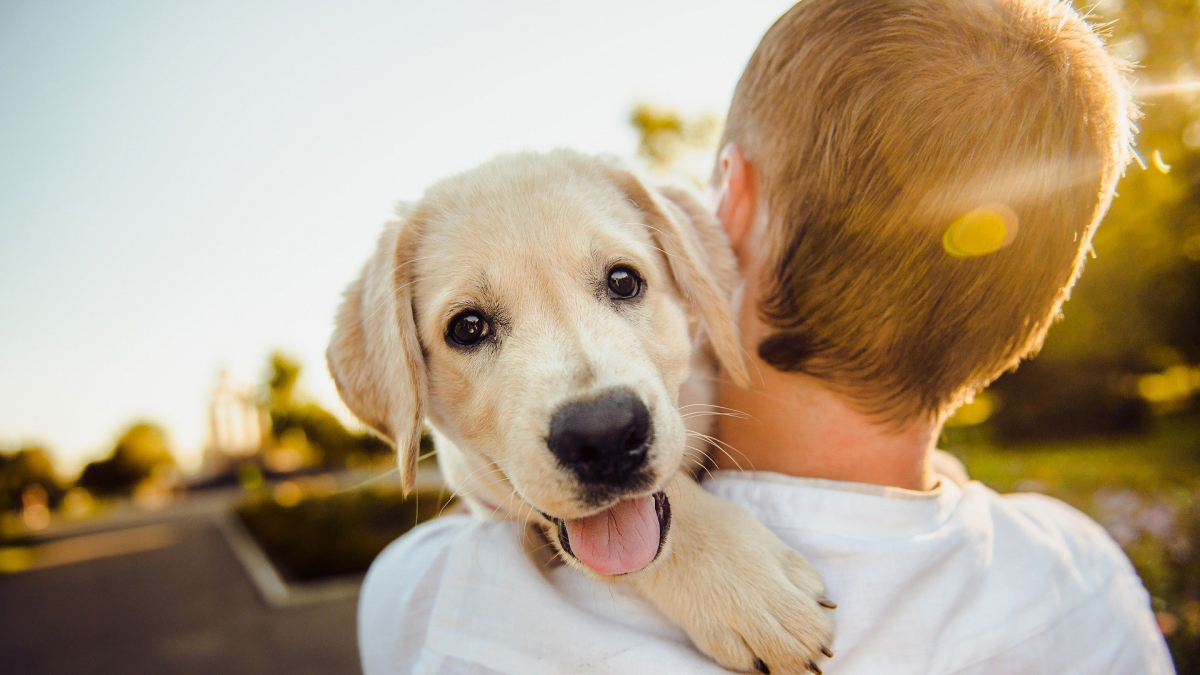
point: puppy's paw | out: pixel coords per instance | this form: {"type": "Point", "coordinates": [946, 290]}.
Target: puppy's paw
{"type": "Point", "coordinates": [743, 597]}
{"type": "Point", "coordinates": [765, 614]}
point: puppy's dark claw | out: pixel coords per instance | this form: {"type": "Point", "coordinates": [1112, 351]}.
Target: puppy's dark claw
{"type": "Point", "coordinates": [826, 652]}
{"type": "Point", "coordinates": [813, 667]}
{"type": "Point", "coordinates": [826, 603]}
{"type": "Point", "coordinates": [761, 667]}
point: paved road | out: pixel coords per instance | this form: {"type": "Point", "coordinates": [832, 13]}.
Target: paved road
{"type": "Point", "coordinates": [182, 605]}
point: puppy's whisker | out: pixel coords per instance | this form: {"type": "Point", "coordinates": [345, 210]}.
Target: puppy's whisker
{"type": "Point", "coordinates": [474, 483]}
{"type": "Point", "coordinates": [666, 236]}
{"type": "Point", "coordinates": [695, 413]}
{"type": "Point", "coordinates": [398, 289]}
{"type": "Point", "coordinates": [711, 405]}
{"type": "Point", "coordinates": [462, 491]}
{"type": "Point", "coordinates": [474, 490]}
{"type": "Point", "coordinates": [711, 442]}
{"type": "Point", "coordinates": [369, 481]}
{"type": "Point", "coordinates": [479, 488]}
{"type": "Point", "coordinates": [417, 259]}
{"type": "Point", "coordinates": [702, 466]}
{"type": "Point", "coordinates": [722, 445]}
{"type": "Point", "coordinates": [478, 471]}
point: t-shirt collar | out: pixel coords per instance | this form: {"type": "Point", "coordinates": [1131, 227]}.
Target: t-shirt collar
{"type": "Point", "coordinates": [837, 507]}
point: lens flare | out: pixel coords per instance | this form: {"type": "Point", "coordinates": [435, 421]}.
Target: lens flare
{"type": "Point", "coordinates": [1157, 160]}
{"type": "Point", "coordinates": [984, 230]}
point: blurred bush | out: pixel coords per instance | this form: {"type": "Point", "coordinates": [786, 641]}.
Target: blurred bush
{"type": "Point", "coordinates": [1055, 399]}
{"type": "Point", "coordinates": [320, 534]}
{"type": "Point", "coordinates": [29, 468]}
{"type": "Point", "coordinates": [140, 453]}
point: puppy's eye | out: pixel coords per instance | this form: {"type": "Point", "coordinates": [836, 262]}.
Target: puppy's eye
{"type": "Point", "coordinates": [623, 283]}
{"type": "Point", "coordinates": [469, 328]}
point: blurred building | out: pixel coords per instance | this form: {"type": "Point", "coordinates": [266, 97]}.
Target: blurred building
{"type": "Point", "coordinates": [237, 423]}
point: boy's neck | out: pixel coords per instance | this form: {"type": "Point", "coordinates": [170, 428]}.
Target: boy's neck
{"type": "Point", "coordinates": [791, 424]}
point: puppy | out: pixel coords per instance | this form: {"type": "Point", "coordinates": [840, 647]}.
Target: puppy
{"type": "Point", "coordinates": [559, 324]}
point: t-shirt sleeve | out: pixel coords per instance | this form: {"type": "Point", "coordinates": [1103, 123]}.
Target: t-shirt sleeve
{"type": "Point", "coordinates": [398, 594]}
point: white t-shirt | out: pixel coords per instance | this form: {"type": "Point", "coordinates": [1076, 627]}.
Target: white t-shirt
{"type": "Point", "coordinates": [957, 580]}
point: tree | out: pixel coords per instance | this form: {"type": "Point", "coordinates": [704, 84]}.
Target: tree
{"type": "Point", "coordinates": [23, 469]}
{"type": "Point", "coordinates": [141, 449]}
{"type": "Point", "coordinates": [671, 143]}
{"type": "Point", "coordinates": [336, 445]}
{"type": "Point", "coordinates": [282, 373]}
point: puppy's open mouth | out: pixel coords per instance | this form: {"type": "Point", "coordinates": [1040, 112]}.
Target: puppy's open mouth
{"type": "Point", "coordinates": [621, 539]}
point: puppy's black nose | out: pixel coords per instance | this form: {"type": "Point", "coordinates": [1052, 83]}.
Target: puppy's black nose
{"type": "Point", "coordinates": [604, 439]}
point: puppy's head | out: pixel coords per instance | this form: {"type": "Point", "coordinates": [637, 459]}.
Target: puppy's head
{"type": "Point", "coordinates": [540, 310]}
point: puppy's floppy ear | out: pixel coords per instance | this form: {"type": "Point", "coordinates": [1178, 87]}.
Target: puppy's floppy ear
{"type": "Point", "coordinates": [700, 259]}
{"type": "Point", "coordinates": [374, 355]}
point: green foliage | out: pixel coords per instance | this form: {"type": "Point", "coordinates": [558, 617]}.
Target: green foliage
{"type": "Point", "coordinates": [23, 469]}
{"type": "Point", "coordinates": [282, 373]}
{"type": "Point", "coordinates": [139, 452]}
{"type": "Point", "coordinates": [671, 143]}
{"type": "Point", "coordinates": [322, 536]}
{"type": "Point", "coordinates": [336, 444]}
{"type": "Point", "coordinates": [296, 420]}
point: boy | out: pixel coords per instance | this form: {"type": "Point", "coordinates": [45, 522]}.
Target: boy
{"type": "Point", "coordinates": [911, 187]}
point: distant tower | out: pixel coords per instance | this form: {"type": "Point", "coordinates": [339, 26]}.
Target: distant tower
{"type": "Point", "coordinates": [235, 424]}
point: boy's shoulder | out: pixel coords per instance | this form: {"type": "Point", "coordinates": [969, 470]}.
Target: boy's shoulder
{"type": "Point", "coordinates": [1063, 528]}
{"type": "Point", "coordinates": [1058, 533]}
{"type": "Point", "coordinates": [1063, 595]}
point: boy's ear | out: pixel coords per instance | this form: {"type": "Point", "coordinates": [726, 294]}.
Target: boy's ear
{"type": "Point", "coordinates": [738, 200]}
{"type": "Point", "coordinates": [374, 355]}
{"type": "Point", "coordinates": [698, 255]}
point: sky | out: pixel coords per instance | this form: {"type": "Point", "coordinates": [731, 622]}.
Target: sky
{"type": "Point", "coordinates": [185, 187]}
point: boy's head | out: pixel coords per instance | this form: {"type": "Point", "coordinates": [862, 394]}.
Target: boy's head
{"type": "Point", "coordinates": [932, 172]}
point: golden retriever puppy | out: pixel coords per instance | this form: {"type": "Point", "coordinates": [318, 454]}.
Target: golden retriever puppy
{"type": "Point", "coordinates": [559, 324]}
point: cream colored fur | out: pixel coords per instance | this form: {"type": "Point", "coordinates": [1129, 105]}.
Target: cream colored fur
{"type": "Point", "coordinates": [528, 238]}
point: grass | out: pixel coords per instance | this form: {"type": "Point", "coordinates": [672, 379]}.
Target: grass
{"type": "Point", "coordinates": [1165, 463]}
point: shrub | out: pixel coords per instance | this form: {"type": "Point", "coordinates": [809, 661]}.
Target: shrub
{"type": "Point", "coordinates": [336, 534]}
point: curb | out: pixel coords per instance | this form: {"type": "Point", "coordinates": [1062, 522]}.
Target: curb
{"type": "Point", "coordinates": [271, 586]}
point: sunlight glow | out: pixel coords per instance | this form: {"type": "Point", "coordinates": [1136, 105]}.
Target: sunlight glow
{"type": "Point", "coordinates": [1157, 89]}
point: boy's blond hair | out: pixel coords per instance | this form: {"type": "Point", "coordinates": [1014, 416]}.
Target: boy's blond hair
{"type": "Point", "coordinates": [933, 171]}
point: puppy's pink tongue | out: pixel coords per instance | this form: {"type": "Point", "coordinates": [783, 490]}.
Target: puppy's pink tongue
{"type": "Point", "coordinates": [619, 540]}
